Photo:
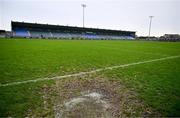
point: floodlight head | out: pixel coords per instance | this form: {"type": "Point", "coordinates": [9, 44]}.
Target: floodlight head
{"type": "Point", "coordinates": [151, 16]}
{"type": "Point", "coordinates": [83, 5]}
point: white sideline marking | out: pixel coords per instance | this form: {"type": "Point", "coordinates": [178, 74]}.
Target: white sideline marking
{"type": "Point", "coordinates": [89, 72]}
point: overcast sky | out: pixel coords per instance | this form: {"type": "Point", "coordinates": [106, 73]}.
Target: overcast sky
{"type": "Point", "coordinates": [130, 15]}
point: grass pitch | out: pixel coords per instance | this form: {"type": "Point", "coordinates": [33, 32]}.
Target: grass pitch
{"type": "Point", "coordinates": [157, 83]}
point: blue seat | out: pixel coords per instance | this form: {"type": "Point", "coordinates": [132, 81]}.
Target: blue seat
{"type": "Point", "coordinates": [21, 33]}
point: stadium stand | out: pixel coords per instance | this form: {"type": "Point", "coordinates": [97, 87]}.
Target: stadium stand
{"type": "Point", "coordinates": [34, 30]}
{"type": "Point", "coordinates": [5, 34]}
{"type": "Point", "coordinates": [2, 33]}
{"type": "Point", "coordinates": [170, 37]}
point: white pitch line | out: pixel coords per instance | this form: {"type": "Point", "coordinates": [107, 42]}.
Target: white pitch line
{"type": "Point", "coordinates": [88, 72]}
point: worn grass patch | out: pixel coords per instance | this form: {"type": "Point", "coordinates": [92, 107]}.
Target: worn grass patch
{"type": "Point", "coordinates": [92, 96]}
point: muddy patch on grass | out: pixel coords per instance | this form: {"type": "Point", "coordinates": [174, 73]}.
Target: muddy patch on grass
{"type": "Point", "coordinates": [91, 96]}
{"type": "Point", "coordinates": [88, 105]}
{"type": "Point", "coordinates": [96, 97]}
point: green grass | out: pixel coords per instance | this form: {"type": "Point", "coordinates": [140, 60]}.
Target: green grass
{"type": "Point", "coordinates": [158, 83]}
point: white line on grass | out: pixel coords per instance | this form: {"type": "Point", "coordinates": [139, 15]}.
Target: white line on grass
{"type": "Point", "coordinates": [89, 72]}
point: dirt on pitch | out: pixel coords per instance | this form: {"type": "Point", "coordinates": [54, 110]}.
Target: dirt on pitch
{"type": "Point", "coordinates": [92, 96]}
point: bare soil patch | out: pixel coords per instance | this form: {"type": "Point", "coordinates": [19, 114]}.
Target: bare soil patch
{"type": "Point", "coordinates": [96, 97]}
{"type": "Point", "coordinates": [90, 96]}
